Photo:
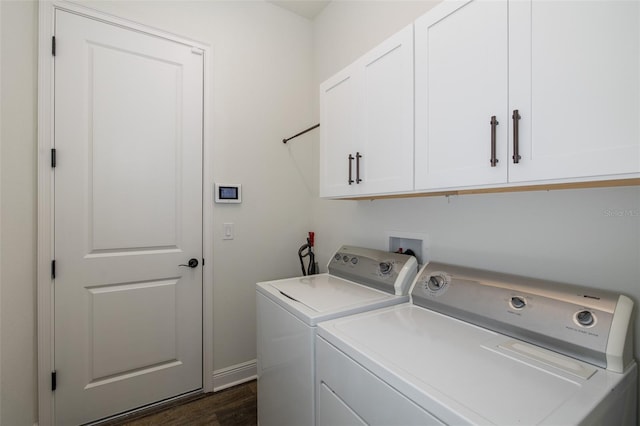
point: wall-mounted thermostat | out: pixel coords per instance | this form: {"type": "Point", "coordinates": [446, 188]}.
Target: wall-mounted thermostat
{"type": "Point", "coordinates": [228, 193]}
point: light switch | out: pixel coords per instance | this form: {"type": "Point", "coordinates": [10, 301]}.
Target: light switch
{"type": "Point", "coordinates": [228, 231]}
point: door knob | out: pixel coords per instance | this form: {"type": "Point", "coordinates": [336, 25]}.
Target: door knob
{"type": "Point", "coordinates": [193, 262]}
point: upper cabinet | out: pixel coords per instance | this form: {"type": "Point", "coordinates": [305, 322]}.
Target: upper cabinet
{"type": "Point", "coordinates": [574, 78]}
{"type": "Point", "coordinates": [461, 94]}
{"type": "Point", "coordinates": [366, 112]}
{"type": "Point", "coordinates": [506, 93]}
{"type": "Point", "coordinates": [526, 91]}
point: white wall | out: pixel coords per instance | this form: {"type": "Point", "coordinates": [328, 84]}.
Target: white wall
{"type": "Point", "coordinates": [588, 236]}
{"type": "Point", "coordinates": [261, 85]}
{"type": "Point", "coordinates": [18, 181]}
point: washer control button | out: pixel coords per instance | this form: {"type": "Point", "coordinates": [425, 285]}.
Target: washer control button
{"type": "Point", "coordinates": [518, 302]}
{"type": "Point", "coordinates": [385, 267]}
{"type": "Point", "coordinates": [585, 318]}
{"type": "Point", "coordinates": [436, 282]}
{"type": "Point", "coordinates": [354, 260]}
{"type": "Point", "coordinates": [337, 256]}
{"type": "Point", "coordinates": [345, 258]}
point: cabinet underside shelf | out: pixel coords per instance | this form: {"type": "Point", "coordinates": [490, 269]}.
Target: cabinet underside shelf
{"type": "Point", "coordinates": [523, 188]}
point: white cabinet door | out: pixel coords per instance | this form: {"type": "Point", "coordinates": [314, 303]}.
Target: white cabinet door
{"type": "Point", "coordinates": [366, 115]}
{"type": "Point", "coordinates": [461, 83]}
{"type": "Point", "coordinates": [340, 130]}
{"type": "Point", "coordinates": [387, 139]}
{"type": "Point", "coordinates": [574, 76]}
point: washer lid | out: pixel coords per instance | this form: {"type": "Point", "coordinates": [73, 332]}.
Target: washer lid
{"type": "Point", "coordinates": [324, 293]}
{"type": "Point", "coordinates": [323, 297]}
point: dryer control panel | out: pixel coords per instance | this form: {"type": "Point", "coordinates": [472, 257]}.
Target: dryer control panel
{"type": "Point", "coordinates": [592, 325]}
{"type": "Point", "coordinates": [390, 272]}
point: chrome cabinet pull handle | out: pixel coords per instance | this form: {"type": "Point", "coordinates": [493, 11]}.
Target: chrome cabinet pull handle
{"type": "Point", "coordinates": [516, 142]}
{"type": "Point", "coordinates": [350, 161]}
{"type": "Point", "coordinates": [494, 123]}
{"type": "Point", "coordinates": [358, 157]}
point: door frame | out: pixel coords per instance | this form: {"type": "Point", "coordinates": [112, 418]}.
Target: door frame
{"type": "Point", "coordinates": [45, 210]}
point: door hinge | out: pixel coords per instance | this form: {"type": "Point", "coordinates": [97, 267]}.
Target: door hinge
{"type": "Point", "coordinates": [53, 157]}
{"type": "Point", "coordinates": [54, 383]}
{"type": "Point", "coordinates": [53, 45]}
{"type": "Point", "coordinates": [53, 269]}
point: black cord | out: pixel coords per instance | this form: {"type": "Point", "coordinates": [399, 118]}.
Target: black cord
{"type": "Point", "coordinates": [312, 262]}
{"type": "Point", "coordinates": [311, 269]}
{"type": "Point", "coordinates": [300, 256]}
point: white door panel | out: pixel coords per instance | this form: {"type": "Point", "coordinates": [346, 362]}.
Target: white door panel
{"type": "Point", "coordinates": [146, 182]}
{"type": "Point", "coordinates": [128, 212]}
{"type": "Point", "coordinates": [157, 325]}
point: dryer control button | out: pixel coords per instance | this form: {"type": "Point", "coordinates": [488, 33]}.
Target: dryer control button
{"type": "Point", "coordinates": [518, 302]}
{"type": "Point", "coordinates": [585, 318]}
{"type": "Point", "coordinates": [436, 282]}
{"type": "Point", "coordinates": [385, 267]}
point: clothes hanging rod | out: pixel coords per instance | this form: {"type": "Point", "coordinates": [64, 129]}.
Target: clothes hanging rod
{"type": "Point", "coordinates": [301, 133]}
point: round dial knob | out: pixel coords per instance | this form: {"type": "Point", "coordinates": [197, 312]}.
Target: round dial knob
{"type": "Point", "coordinates": [585, 318]}
{"type": "Point", "coordinates": [337, 256]}
{"type": "Point", "coordinates": [436, 282]}
{"type": "Point", "coordinates": [354, 260]}
{"type": "Point", "coordinates": [345, 258]}
{"type": "Point", "coordinates": [518, 302]}
{"type": "Point", "coordinates": [385, 267]}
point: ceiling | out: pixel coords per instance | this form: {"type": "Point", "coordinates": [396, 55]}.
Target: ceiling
{"type": "Point", "coordinates": [306, 8]}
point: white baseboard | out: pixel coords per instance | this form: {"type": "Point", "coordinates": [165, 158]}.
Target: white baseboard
{"type": "Point", "coordinates": [234, 375]}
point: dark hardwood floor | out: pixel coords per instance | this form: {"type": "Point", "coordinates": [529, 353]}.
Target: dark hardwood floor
{"type": "Point", "coordinates": [236, 406]}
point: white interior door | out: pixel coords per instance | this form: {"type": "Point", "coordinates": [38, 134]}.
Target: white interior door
{"type": "Point", "coordinates": [128, 212]}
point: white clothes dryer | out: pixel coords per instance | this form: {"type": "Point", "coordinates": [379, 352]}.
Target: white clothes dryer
{"type": "Point", "coordinates": [481, 348]}
{"type": "Point", "coordinates": [289, 310]}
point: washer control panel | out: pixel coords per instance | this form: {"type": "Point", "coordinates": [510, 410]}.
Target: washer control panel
{"type": "Point", "coordinates": [389, 272]}
{"type": "Point", "coordinates": [577, 321]}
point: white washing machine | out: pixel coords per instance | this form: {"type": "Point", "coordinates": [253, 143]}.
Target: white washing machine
{"type": "Point", "coordinates": [289, 310]}
{"type": "Point", "coordinates": [475, 347]}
